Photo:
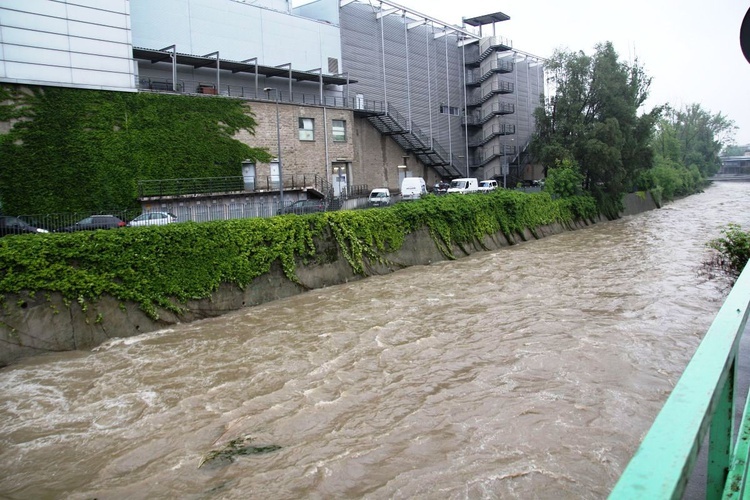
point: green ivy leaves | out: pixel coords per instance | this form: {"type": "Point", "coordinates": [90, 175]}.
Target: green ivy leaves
{"type": "Point", "coordinates": [85, 150]}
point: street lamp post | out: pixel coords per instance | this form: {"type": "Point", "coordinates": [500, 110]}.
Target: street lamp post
{"type": "Point", "coordinates": [278, 141]}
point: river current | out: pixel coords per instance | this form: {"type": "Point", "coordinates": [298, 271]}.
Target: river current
{"type": "Point", "coordinates": [528, 372]}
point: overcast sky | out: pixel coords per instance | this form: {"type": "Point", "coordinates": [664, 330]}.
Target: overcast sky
{"type": "Point", "coordinates": [690, 48]}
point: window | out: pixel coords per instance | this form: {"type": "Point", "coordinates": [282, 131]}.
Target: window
{"type": "Point", "coordinates": [339, 130]}
{"type": "Point", "coordinates": [306, 129]}
{"type": "Point", "coordinates": [448, 110]}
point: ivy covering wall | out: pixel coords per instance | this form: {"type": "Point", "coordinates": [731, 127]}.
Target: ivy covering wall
{"type": "Point", "coordinates": [163, 266]}
{"type": "Point", "coordinates": [85, 150]}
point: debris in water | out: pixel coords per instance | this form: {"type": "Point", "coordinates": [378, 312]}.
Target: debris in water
{"type": "Point", "coordinates": [235, 448]}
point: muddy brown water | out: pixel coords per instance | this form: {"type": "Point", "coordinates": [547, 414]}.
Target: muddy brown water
{"type": "Point", "coordinates": [528, 372]}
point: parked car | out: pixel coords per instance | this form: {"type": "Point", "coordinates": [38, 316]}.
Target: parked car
{"type": "Point", "coordinates": [441, 187]}
{"type": "Point", "coordinates": [14, 225]}
{"type": "Point", "coordinates": [94, 222]}
{"type": "Point", "coordinates": [303, 207]}
{"type": "Point", "coordinates": [380, 197]}
{"type": "Point", "coordinates": [153, 219]}
{"type": "Point", "coordinates": [487, 186]}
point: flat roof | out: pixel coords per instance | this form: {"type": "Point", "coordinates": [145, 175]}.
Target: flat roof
{"type": "Point", "coordinates": [235, 66]}
{"type": "Point", "coordinates": [487, 19]}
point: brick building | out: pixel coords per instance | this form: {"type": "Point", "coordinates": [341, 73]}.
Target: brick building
{"type": "Point", "coordinates": [366, 92]}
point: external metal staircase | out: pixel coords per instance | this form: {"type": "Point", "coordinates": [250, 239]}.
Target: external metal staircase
{"type": "Point", "coordinates": [478, 119]}
{"type": "Point", "coordinates": [484, 156]}
{"type": "Point", "coordinates": [478, 76]}
{"type": "Point", "coordinates": [390, 122]}
{"type": "Point", "coordinates": [489, 134]}
{"type": "Point", "coordinates": [489, 46]}
{"type": "Point", "coordinates": [497, 88]}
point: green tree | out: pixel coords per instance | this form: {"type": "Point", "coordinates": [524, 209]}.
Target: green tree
{"type": "Point", "coordinates": [593, 118]}
{"type": "Point", "coordinates": [702, 136]}
{"type": "Point", "coordinates": [565, 180]}
{"type": "Point", "coordinates": [686, 146]}
{"type": "Point", "coordinates": [734, 150]}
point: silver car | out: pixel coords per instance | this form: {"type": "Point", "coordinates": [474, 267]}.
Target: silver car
{"type": "Point", "coordinates": [153, 219]}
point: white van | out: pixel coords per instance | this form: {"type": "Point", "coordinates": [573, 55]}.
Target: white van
{"type": "Point", "coordinates": [487, 186]}
{"type": "Point", "coordinates": [412, 188]}
{"type": "Point", "coordinates": [380, 197]}
{"type": "Point", "coordinates": [464, 185]}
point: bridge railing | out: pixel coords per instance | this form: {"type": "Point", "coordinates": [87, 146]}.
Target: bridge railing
{"type": "Point", "coordinates": [701, 404]}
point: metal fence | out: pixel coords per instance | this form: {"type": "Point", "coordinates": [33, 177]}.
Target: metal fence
{"type": "Point", "coordinates": [352, 198]}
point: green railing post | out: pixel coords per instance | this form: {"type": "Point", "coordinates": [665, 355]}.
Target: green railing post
{"type": "Point", "coordinates": [720, 438]}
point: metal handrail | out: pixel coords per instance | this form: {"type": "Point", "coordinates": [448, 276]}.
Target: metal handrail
{"type": "Point", "coordinates": [700, 405]}
{"type": "Point", "coordinates": [219, 185]}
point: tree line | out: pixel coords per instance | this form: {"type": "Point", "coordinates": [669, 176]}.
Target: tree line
{"type": "Point", "coordinates": [593, 135]}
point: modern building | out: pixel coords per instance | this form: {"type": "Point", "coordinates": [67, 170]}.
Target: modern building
{"type": "Point", "coordinates": [366, 92]}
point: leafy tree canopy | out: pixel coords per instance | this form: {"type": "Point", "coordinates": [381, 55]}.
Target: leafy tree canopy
{"type": "Point", "coordinates": [593, 119]}
{"type": "Point", "coordinates": [693, 137]}
{"type": "Point", "coordinates": [734, 150]}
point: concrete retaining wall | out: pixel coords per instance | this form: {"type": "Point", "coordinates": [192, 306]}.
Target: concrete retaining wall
{"type": "Point", "coordinates": [33, 324]}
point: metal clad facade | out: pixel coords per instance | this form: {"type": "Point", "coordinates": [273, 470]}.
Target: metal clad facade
{"type": "Point", "coordinates": [421, 73]}
{"type": "Point", "coordinates": [237, 30]}
{"type": "Point", "coordinates": [435, 71]}
{"type": "Point", "coordinates": [70, 43]}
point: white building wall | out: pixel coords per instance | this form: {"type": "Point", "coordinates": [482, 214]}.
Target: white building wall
{"type": "Point", "coordinates": [238, 30]}
{"type": "Point", "coordinates": [71, 43]}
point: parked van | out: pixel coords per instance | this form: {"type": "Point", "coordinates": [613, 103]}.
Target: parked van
{"type": "Point", "coordinates": [412, 188]}
{"type": "Point", "coordinates": [464, 185]}
{"type": "Point", "coordinates": [380, 197]}
{"type": "Point", "coordinates": [487, 186]}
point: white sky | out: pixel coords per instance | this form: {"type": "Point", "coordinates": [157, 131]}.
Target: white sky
{"type": "Point", "coordinates": [690, 48]}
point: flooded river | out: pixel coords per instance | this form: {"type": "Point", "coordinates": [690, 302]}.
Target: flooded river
{"type": "Point", "coordinates": [529, 372]}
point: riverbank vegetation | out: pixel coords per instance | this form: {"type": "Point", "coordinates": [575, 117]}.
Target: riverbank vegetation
{"type": "Point", "coordinates": [165, 266]}
{"type": "Point", "coordinates": [731, 252]}
{"type": "Point", "coordinates": [594, 121]}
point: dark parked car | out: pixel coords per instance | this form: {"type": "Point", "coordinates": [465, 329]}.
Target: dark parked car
{"type": "Point", "coordinates": [304, 207]}
{"type": "Point", "coordinates": [95, 222]}
{"type": "Point", "coordinates": [14, 225]}
{"type": "Point", "coordinates": [441, 187]}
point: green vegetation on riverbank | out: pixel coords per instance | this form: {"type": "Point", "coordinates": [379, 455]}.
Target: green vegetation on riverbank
{"type": "Point", "coordinates": [732, 251]}
{"type": "Point", "coordinates": [596, 123]}
{"type": "Point", "coordinates": [162, 267]}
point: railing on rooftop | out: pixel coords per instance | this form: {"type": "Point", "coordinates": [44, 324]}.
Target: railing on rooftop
{"type": "Point", "coordinates": [357, 103]}
{"type": "Point", "coordinates": [702, 404]}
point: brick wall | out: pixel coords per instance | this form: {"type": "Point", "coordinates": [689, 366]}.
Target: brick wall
{"type": "Point", "coordinates": [373, 158]}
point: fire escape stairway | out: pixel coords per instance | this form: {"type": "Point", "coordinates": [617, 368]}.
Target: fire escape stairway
{"type": "Point", "coordinates": [477, 119]}
{"type": "Point", "coordinates": [482, 158]}
{"type": "Point", "coordinates": [413, 140]}
{"type": "Point", "coordinates": [496, 67]}
{"type": "Point", "coordinates": [493, 44]}
{"type": "Point", "coordinates": [495, 131]}
{"type": "Point", "coordinates": [488, 93]}
{"type": "Point", "coordinates": [521, 158]}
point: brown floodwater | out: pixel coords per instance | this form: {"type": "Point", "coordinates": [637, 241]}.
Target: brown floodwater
{"type": "Point", "coordinates": [529, 372]}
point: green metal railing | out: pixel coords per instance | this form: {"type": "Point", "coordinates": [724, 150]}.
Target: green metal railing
{"type": "Point", "coordinates": [701, 404]}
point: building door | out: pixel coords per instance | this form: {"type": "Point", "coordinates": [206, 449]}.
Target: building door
{"type": "Point", "coordinates": [248, 176]}
{"type": "Point", "coordinates": [274, 174]}
{"type": "Point", "coordinates": [339, 179]}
